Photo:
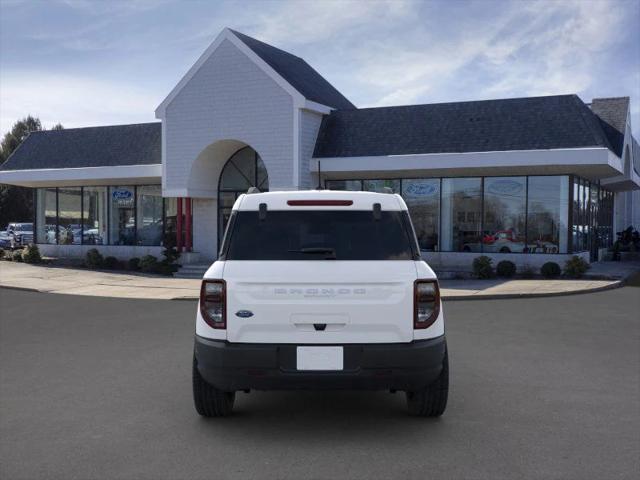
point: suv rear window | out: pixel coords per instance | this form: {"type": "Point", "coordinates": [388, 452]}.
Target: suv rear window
{"type": "Point", "coordinates": [319, 235]}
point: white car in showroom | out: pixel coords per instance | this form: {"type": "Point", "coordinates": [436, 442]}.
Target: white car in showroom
{"type": "Point", "coordinates": [320, 290]}
{"type": "Point", "coordinates": [18, 235]}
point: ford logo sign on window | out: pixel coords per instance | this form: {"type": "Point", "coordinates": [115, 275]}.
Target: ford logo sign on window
{"type": "Point", "coordinates": [122, 194]}
{"type": "Point", "coordinates": [418, 189]}
{"type": "Point", "coordinates": [505, 187]}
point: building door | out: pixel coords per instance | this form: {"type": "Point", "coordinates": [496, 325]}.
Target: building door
{"type": "Point", "coordinates": [243, 170]}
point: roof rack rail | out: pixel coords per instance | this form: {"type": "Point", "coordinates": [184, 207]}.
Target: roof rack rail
{"type": "Point", "coordinates": [253, 190]}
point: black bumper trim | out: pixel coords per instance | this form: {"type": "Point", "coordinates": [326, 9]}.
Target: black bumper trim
{"type": "Point", "coordinates": [389, 366]}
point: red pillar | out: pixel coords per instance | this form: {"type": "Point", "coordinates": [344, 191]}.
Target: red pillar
{"type": "Point", "coordinates": [179, 225]}
{"type": "Point", "coordinates": [188, 242]}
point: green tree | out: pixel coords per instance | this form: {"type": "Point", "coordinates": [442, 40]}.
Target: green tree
{"type": "Point", "coordinates": [16, 203]}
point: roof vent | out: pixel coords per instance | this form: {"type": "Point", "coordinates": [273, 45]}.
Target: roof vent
{"type": "Point", "coordinates": [253, 190]}
{"type": "Point", "coordinates": [387, 190]}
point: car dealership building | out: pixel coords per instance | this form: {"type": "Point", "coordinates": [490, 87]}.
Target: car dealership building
{"type": "Point", "coordinates": [526, 179]}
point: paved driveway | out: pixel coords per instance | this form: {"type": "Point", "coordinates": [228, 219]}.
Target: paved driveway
{"type": "Point", "coordinates": [100, 388]}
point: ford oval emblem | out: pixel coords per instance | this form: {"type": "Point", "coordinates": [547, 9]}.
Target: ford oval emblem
{"type": "Point", "coordinates": [244, 313]}
{"type": "Point", "coordinates": [121, 194]}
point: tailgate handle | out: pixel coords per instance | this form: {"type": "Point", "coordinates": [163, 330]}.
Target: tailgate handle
{"type": "Point", "coordinates": [320, 327]}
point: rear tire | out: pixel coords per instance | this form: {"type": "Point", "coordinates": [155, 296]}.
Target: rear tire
{"type": "Point", "coordinates": [432, 401]}
{"type": "Point", "coordinates": [208, 400]}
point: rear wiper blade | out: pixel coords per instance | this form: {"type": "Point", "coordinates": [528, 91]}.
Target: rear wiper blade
{"type": "Point", "coordinates": [327, 250]}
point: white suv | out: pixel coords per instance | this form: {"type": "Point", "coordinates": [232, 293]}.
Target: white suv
{"type": "Point", "coordinates": [320, 290]}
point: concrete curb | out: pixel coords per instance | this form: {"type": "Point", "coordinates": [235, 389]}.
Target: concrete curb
{"type": "Point", "coordinates": [507, 296]}
{"type": "Point", "coordinates": [446, 298]}
{"type": "Point", "coordinates": [23, 289]}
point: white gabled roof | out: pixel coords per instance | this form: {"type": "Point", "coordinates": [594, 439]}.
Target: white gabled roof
{"type": "Point", "coordinates": [227, 34]}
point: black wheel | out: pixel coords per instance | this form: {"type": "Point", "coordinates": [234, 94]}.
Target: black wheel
{"type": "Point", "coordinates": [432, 401]}
{"type": "Point", "coordinates": [208, 400]}
{"type": "Point", "coordinates": [505, 250]}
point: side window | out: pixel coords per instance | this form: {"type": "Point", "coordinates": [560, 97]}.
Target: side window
{"type": "Point", "coordinates": [227, 235]}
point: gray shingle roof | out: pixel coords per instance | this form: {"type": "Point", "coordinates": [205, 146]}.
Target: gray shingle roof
{"type": "Point", "coordinates": [612, 113]}
{"type": "Point", "coordinates": [532, 123]}
{"type": "Point", "coordinates": [115, 145]}
{"type": "Point", "coordinates": [298, 73]}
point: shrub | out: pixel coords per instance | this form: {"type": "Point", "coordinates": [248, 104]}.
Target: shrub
{"type": "Point", "coordinates": [110, 263]}
{"type": "Point", "coordinates": [94, 259]}
{"type": "Point", "coordinates": [527, 271]}
{"type": "Point", "coordinates": [164, 268]}
{"type": "Point", "coordinates": [576, 267]}
{"type": "Point", "coordinates": [506, 269]}
{"type": "Point", "coordinates": [482, 267]}
{"type": "Point", "coordinates": [16, 256]}
{"type": "Point", "coordinates": [170, 252]}
{"type": "Point", "coordinates": [31, 254]}
{"type": "Point", "coordinates": [550, 270]}
{"type": "Point", "coordinates": [149, 264]}
{"type": "Point", "coordinates": [168, 266]}
{"type": "Point", "coordinates": [134, 263]}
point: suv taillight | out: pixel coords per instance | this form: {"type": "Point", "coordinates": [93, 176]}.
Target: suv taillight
{"type": "Point", "coordinates": [426, 303]}
{"type": "Point", "coordinates": [213, 303]}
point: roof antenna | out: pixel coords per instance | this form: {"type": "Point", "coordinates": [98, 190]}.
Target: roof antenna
{"type": "Point", "coordinates": [319, 181]}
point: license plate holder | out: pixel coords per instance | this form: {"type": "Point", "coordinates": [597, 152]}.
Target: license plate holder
{"type": "Point", "coordinates": [320, 358]}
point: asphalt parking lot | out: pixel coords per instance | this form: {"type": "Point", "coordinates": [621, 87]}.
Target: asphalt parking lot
{"type": "Point", "coordinates": [100, 388]}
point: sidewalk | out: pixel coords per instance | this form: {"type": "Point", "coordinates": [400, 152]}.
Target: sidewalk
{"type": "Point", "coordinates": [130, 285]}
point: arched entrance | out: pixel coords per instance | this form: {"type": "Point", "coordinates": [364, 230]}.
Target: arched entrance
{"type": "Point", "coordinates": [243, 170]}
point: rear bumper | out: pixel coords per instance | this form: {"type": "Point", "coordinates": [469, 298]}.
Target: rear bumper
{"type": "Point", "coordinates": [391, 366]}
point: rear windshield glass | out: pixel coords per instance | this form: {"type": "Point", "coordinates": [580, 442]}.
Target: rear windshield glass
{"type": "Point", "coordinates": [319, 235]}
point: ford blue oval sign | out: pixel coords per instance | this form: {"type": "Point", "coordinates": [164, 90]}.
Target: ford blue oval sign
{"type": "Point", "coordinates": [244, 313]}
{"type": "Point", "coordinates": [122, 194]}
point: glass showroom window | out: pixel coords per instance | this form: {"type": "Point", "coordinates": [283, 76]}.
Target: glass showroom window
{"type": "Point", "coordinates": [593, 214]}
{"type": "Point", "coordinates": [149, 215]}
{"type": "Point", "coordinates": [505, 203]}
{"type": "Point", "coordinates": [605, 219]}
{"type": "Point", "coordinates": [46, 215]}
{"type": "Point", "coordinates": [94, 217]}
{"type": "Point", "coordinates": [380, 185]}
{"type": "Point", "coordinates": [352, 185]}
{"type": "Point", "coordinates": [586, 221]}
{"type": "Point", "coordinates": [577, 219]}
{"type": "Point", "coordinates": [582, 218]}
{"type": "Point", "coordinates": [122, 224]}
{"type": "Point", "coordinates": [548, 211]}
{"type": "Point", "coordinates": [170, 215]}
{"type": "Point", "coordinates": [422, 197]}
{"type": "Point", "coordinates": [461, 214]}
{"type": "Point", "coordinates": [69, 216]}
{"type": "Point", "coordinates": [582, 227]}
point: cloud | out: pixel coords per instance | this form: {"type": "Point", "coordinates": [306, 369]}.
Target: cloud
{"type": "Point", "coordinates": [296, 22]}
{"type": "Point", "coordinates": [73, 101]}
{"type": "Point", "coordinates": [376, 52]}
{"type": "Point", "coordinates": [536, 48]}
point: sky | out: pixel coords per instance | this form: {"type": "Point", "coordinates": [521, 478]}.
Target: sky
{"type": "Point", "coordinates": [86, 63]}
